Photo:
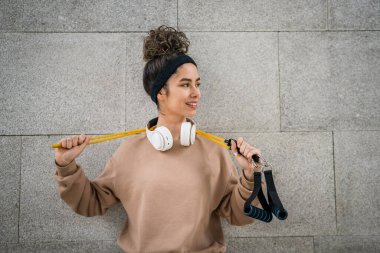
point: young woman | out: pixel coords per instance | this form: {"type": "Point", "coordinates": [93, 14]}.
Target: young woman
{"type": "Point", "coordinates": [174, 185]}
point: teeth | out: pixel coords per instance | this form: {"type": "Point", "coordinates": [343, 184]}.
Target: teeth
{"type": "Point", "coordinates": [192, 105]}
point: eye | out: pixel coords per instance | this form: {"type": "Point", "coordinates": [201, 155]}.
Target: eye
{"type": "Point", "coordinates": [187, 84]}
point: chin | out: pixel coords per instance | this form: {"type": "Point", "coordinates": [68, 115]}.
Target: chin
{"type": "Point", "coordinates": [189, 115]}
{"type": "Point", "coordinates": [193, 113]}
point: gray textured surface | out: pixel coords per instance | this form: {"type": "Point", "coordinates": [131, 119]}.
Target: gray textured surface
{"type": "Point", "coordinates": [304, 178]}
{"type": "Point", "coordinates": [258, 15]}
{"type": "Point", "coordinates": [297, 79]}
{"type": "Point", "coordinates": [62, 82]}
{"type": "Point", "coordinates": [270, 244]}
{"type": "Point", "coordinates": [44, 216]}
{"type": "Point", "coordinates": [330, 81]}
{"type": "Point", "coordinates": [349, 244]}
{"type": "Point", "coordinates": [11, 15]}
{"type": "Point", "coordinates": [357, 171]}
{"type": "Point", "coordinates": [223, 108]}
{"type": "Point", "coordinates": [62, 247]}
{"type": "Point", "coordinates": [85, 16]}
{"type": "Point", "coordinates": [354, 15]}
{"type": "Point", "coordinates": [10, 159]}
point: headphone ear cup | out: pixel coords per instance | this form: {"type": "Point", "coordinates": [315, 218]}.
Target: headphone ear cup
{"type": "Point", "coordinates": [163, 139]}
{"type": "Point", "coordinates": [185, 133]}
{"type": "Point", "coordinates": [192, 134]}
{"type": "Point", "coordinates": [157, 140]}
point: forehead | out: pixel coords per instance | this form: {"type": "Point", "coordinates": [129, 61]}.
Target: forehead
{"type": "Point", "coordinates": [188, 70]}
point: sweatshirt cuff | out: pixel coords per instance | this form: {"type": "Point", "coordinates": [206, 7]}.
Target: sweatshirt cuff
{"type": "Point", "coordinates": [66, 170]}
{"type": "Point", "coordinates": [245, 182]}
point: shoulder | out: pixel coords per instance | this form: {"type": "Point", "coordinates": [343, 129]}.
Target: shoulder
{"type": "Point", "coordinates": [129, 145]}
{"type": "Point", "coordinates": [207, 143]}
{"type": "Point", "coordinates": [219, 157]}
{"type": "Point", "coordinates": [210, 146]}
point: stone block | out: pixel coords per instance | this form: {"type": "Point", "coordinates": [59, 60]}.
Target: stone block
{"type": "Point", "coordinates": [270, 244]}
{"type": "Point", "coordinates": [11, 15]}
{"type": "Point", "coordinates": [347, 244]}
{"type": "Point", "coordinates": [262, 15]}
{"type": "Point", "coordinates": [357, 176]}
{"type": "Point", "coordinates": [44, 216]}
{"type": "Point", "coordinates": [329, 81]}
{"type": "Point", "coordinates": [302, 168]}
{"type": "Point", "coordinates": [62, 83]}
{"type": "Point", "coordinates": [10, 159]}
{"type": "Point", "coordinates": [354, 15]}
{"type": "Point", "coordinates": [98, 16]}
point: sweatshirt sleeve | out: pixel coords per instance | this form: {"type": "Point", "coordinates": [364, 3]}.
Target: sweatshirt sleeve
{"type": "Point", "coordinates": [85, 197]}
{"type": "Point", "coordinates": [237, 191]}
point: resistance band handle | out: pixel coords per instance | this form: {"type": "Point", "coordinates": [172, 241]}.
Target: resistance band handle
{"type": "Point", "coordinates": [258, 213]}
{"type": "Point", "coordinates": [252, 211]}
{"type": "Point", "coordinates": [228, 141]}
{"type": "Point", "coordinates": [274, 206]}
{"type": "Point", "coordinates": [274, 201]}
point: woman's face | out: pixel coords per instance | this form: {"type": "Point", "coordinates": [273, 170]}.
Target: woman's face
{"type": "Point", "coordinates": [183, 88]}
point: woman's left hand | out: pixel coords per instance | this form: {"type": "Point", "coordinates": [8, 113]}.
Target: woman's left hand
{"type": "Point", "coordinates": [245, 160]}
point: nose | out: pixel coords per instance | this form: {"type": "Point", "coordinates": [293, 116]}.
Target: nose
{"type": "Point", "coordinates": [195, 92]}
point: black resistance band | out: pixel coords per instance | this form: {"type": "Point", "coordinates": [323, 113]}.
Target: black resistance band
{"type": "Point", "coordinates": [274, 206]}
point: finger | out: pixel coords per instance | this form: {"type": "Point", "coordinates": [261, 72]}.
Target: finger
{"type": "Point", "coordinates": [257, 152]}
{"type": "Point", "coordinates": [247, 151]}
{"type": "Point", "coordinates": [233, 146]}
{"type": "Point", "coordinates": [83, 145]}
{"type": "Point", "coordinates": [240, 141]}
{"type": "Point", "coordinates": [243, 147]}
{"type": "Point", "coordinates": [75, 140]}
{"type": "Point", "coordinates": [82, 139]}
{"type": "Point", "coordinates": [69, 142]}
{"type": "Point", "coordinates": [87, 140]}
{"type": "Point", "coordinates": [250, 154]}
{"type": "Point", "coordinates": [63, 142]}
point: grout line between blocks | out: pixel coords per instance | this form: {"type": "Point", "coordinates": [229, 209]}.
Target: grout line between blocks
{"type": "Point", "coordinates": [279, 82]}
{"type": "Point", "coordinates": [177, 14]}
{"type": "Point", "coordinates": [333, 156]}
{"type": "Point", "coordinates": [327, 14]}
{"type": "Point", "coordinates": [232, 132]}
{"type": "Point", "coordinates": [209, 31]}
{"type": "Point", "coordinates": [19, 194]}
{"type": "Point", "coordinates": [125, 82]}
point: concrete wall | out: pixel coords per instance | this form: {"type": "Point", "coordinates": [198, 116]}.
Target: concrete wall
{"type": "Point", "coordinates": [298, 79]}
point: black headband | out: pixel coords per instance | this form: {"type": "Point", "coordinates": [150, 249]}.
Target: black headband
{"type": "Point", "coordinates": [167, 71]}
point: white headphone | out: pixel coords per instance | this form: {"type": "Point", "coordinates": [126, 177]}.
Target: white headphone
{"type": "Point", "coordinates": [162, 139]}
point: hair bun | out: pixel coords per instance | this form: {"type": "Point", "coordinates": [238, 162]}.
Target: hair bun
{"type": "Point", "coordinates": [164, 40]}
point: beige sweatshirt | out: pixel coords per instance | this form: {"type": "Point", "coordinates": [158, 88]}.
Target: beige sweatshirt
{"type": "Point", "coordinates": [174, 199]}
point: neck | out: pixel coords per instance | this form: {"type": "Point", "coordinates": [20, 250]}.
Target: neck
{"type": "Point", "coordinates": [173, 123]}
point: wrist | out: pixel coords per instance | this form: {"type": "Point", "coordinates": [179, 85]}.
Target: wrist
{"type": "Point", "coordinates": [61, 164]}
{"type": "Point", "coordinates": [250, 177]}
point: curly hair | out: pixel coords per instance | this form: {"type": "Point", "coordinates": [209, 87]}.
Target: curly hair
{"type": "Point", "coordinates": [161, 45]}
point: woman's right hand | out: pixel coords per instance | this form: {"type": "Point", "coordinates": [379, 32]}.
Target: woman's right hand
{"type": "Point", "coordinates": [72, 147]}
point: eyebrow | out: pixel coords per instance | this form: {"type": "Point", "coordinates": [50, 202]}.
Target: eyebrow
{"type": "Point", "coordinates": [187, 79]}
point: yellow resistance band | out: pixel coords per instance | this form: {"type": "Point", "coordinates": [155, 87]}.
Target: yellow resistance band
{"type": "Point", "coordinates": [107, 137]}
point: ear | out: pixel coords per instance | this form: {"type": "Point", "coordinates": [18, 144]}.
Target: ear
{"type": "Point", "coordinates": [161, 94]}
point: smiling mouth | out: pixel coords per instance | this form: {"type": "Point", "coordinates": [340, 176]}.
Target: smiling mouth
{"type": "Point", "coordinates": [192, 105]}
